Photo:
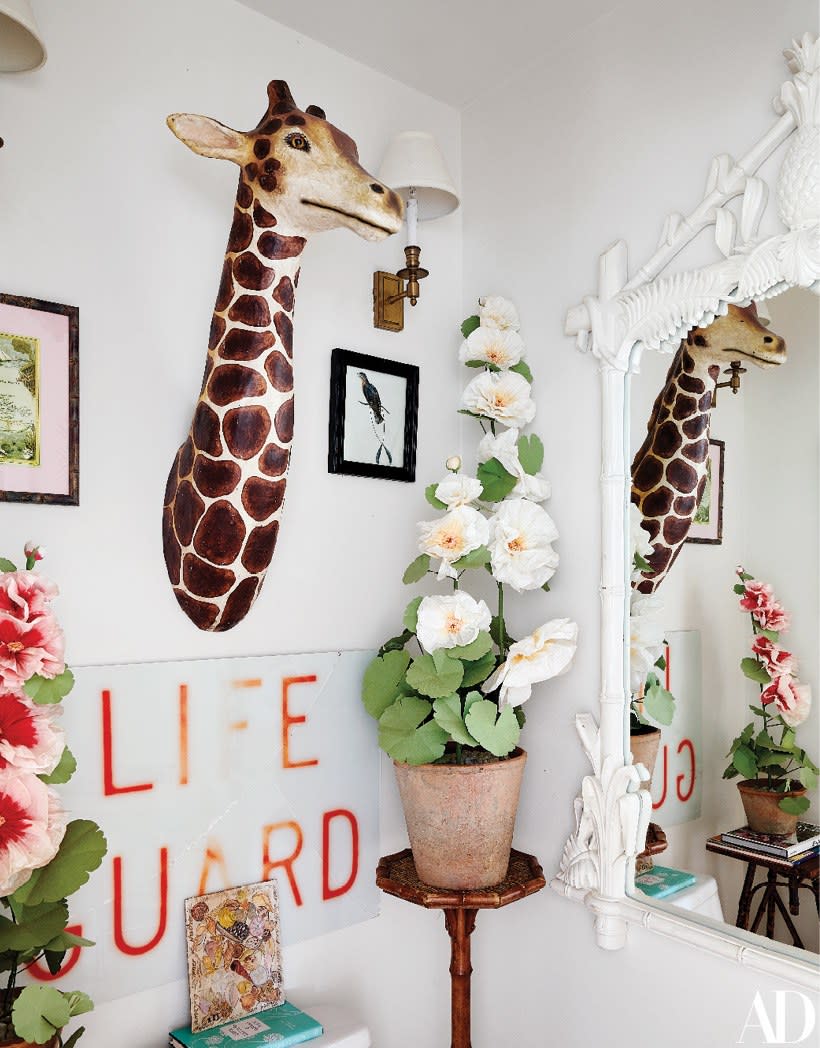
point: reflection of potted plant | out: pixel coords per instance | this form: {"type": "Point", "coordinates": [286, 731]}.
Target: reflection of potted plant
{"type": "Point", "coordinates": [43, 859]}
{"type": "Point", "coordinates": [447, 691]}
{"type": "Point", "coordinates": [776, 771]}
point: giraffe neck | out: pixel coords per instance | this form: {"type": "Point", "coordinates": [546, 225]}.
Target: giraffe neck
{"type": "Point", "coordinates": [669, 471]}
{"type": "Point", "coordinates": [227, 486]}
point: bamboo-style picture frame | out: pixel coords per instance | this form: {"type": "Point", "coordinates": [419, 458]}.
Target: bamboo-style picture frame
{"type": "Point", "coordinates": [39, 401]}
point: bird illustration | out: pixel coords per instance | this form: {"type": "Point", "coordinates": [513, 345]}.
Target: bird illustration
{"type": "Point", "coordinates": [373, 401]}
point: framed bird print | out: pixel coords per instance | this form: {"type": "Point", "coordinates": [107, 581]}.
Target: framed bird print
{"type": "Point", "coordinates": [373, 416]}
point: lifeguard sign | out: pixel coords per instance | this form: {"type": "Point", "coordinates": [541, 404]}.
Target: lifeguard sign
{"type": "Point", "coordinates": [209, 774]}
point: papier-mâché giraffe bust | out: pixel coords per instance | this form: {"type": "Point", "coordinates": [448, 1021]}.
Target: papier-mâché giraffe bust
{"type": "Point", "coordinates": [298, 175]}
{"type": "Point", "coordinates": [669, 470]}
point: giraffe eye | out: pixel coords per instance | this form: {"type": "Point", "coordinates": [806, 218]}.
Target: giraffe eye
{"type": "Point", "coordinates": [297, 141]}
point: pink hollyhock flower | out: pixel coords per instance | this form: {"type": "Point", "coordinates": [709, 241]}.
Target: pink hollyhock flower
{"type": "Point", "coordinates": [776, 660]}
{"type": "Point", "coordinates": [772, 617]}
{"type": "Point", "coordinates": [29, 738]}
{"type": "Point", "coordinates": [27, 648]}
{"type": "Point", "coordinates": [25, 594]}
{"type": "Point", "coordinates": [792, 700]}
{"type": "Point", "coordinates": [32, 825]}
{"type": "Point", "coordinates": [757, 595]}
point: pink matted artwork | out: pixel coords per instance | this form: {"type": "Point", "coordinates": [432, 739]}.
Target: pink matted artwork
{"type": "Point", "coordinates": [39, 401]}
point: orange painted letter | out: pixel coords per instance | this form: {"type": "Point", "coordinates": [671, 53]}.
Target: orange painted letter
{"type": "Point", "coordinates": [665, 778]}
{"type": "Point", "coordinates": [109, 789]}
{"type": "Point", "coordinates": [288, 720]}
{"type": "Point", "coordinates": [214, 856]}
{"type": "Point", "coordinates": [685, 744]}
{"type": "Point", "coordinates": [327, 818]}
{"type": "Point", "coordinates": [119, 937]}
{"type": "Point", "coordinates": [269, 865]}
{"type": "Point", "coordinates": [183, 734]}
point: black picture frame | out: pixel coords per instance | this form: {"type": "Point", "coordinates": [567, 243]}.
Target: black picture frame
{"type": "Point", "coordinates": [711, 532]}
{"type": "Point", "coordinates": [341, 361]}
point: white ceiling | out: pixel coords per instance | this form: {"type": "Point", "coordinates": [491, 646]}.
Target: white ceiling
{"type": "Point", "coordinates": [453, 50]}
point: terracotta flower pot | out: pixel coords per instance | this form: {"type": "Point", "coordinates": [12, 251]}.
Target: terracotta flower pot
{"type": "Point", "coordinates": [645, 743]}
{"type": "Point", "coordinates": [460, 819]}
{"type": "Point", "coordinates": [28, 1044]}
{"type": "Point", "coordinates": [761, 806]}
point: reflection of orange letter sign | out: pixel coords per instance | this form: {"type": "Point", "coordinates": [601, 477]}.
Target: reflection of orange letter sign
{"type": "Point", "coordinates": [214, 856]}
{"type": "Point", "coordinates": [119, 937]}
{"type": "Point", "coordinates": [685, 744]}
{"type": "Point", "coordinates": [288, 720]}
{"type": "Point", "coordinates": [109, 789]}
{"type": "Point", "coordinates": [339, 813]}
{"type": "Point", "coordinates": [269, 865]}
{"type": "Point", "coordinates": [665, 752]}
{"type": "Point", "coordinates": [41, 974]}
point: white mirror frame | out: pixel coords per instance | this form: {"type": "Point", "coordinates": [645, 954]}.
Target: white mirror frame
{"type": "Point", "coordinates": [650, 311]}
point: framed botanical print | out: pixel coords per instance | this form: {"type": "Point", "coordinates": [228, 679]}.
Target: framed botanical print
{"type": "Point", "coordinates": [39, 401]}
{"type": "Point", "coordinates": [707, 525]}
{"type": "Point", "coordinates": [373, 416]}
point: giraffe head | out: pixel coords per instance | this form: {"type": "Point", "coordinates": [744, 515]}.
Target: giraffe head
{"type": "Point", "coordinates": [299, 167]}
{"type": "Point", "coordinates": [738, 334]}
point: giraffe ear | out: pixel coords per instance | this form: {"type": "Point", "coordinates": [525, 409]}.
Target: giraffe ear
{"type": "Point", "coordinates": [208, 137]}
{"type": "Point", "coordinates": [316, 111]}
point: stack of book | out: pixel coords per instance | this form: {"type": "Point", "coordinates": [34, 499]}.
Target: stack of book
{"type": "Point", "coordinates": [283, 1025]}
{"type": "Point", "coordinates": [662, 881]}
{"type": "Point", "coordinates": [801, 844]}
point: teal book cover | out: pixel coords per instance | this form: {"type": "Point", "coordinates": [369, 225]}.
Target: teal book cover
{"type": "Point", "coordinates": [661, 881]}
{"type": "Point", "coordinates": [284, 1025]}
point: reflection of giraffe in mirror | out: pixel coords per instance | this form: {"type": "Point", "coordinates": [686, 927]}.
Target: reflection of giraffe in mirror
{"type": "Point", "coordinates": [298, 175]}
{"type": "Point", "coordinates": [669, 470]}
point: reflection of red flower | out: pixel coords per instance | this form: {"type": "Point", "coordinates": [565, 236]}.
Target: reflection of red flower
{"type": "Point", "coordinates": [29, 739]}
{"type": "Point", "coordinates": [766, 611]}
{"type": "Point", "coordinates": [32, 825]}
{"type": "Point", "coordinates": [756, 595]}
{"type": "Point", "coordinates": [773, 617]}
{"type": "Point", "coordinates": [27, 648]}
{"type": "Point", "coordinates": [25, 595]}
{"type": "Point", "coordinates": [776, 660]}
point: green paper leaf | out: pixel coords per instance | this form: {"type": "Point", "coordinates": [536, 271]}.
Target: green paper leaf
{"type": "Point", "coordinates": [495, 632]}
{"type": "Point", "coordinates": [522, 368]}
{"type": "Point", "coordinates": [447, 714]}
{"type": "Point", "coordinates": [531, 454]}
{"type": "Point", "coordinates": [382, 677]}
{"type": "Point", "coordinates": [404, 735]}
{"type": "Point", "coordinates": [496, 482]}
{"type": "Point", "coordinates": [475, 363]}
{"type": "Point", "coordinates": [435, 675]}
{"type": "Point", "coordinates": [411, 614]}
{"type": "Point", "coordinates": [739, 589]}
{"type": "Point", "coordinates": [478, 671]}
{"type": "Point", "coordinates": [755, 670]}
{"type": "Point", "coordinates": [747, 733]}
{"type": "Point", "coordinates": [808, 778]}
{"type": "Point", "coordinates": [794, 805]}
{"type": "Point", "coordinates": [476, 558]}
{"type": "Point", "coordinates": [476, 650]}
{"type": "Point", "coordinates": [81, 852]}
{"type": "Point", "coordinates": [470, 698]}
{"type": "Point", "coordinates": [659, 704]}
{"type": "Point", "coordinates": [773, 635]}
{"type": "Point", "coordinates": [731, 773]}
{"type": "Point", "coordinates": [546, 587]}
{"type": "Point", "coordinates": [39, 1012]}
{"type": "Point", "coordinates": [787, 742]}
{"type": "Point", "coordinates": [497, 733]}
{"type": "Point", "coordinates": [79, 1003]}
{"type": "Point", "coordinates": [72, 1041]}
{"type": "Point", "coordinates": [764, 741]}
{"type": "Point", "coordinates": [46, 692]}
{"type": "Point", "coordinates": [66, 767]}
{"type": "Point", "coordinates": [66, 941]}
{"type": "Point", "coordinates": [745, 762]}
{"type": "Point", "coordinates": [758, 711]}
{"type": "Point", "coordinates": [34, 926]}
{"type": "Point", "coordinates": [472, 414]}
{"type": "Point", "coordinates": [416, 570]}
{"type": "Point", "coordinates": [640, 563]}
{"type": "Point", "coordinates": [469, 325]}
{"type": "Point", "coordinates": [396, 643]}
{"type": "Point", "coordinates": [430, 495]}
{"type": "Point", "coordinates": [54, 959]}
{"type": "Point", "coordinates": [7, 565]}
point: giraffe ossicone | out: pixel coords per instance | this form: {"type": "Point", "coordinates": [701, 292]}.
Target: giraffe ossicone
{"type": "Point", "coordinates": [669, 471]}
{"type": "Point", "coordinates": [299, 175]}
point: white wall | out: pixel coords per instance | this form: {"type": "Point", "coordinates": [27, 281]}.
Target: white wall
{"type": "Point", "coordinates": [103, 208]}
{"type": "Point", "coordinates": [611, 131]}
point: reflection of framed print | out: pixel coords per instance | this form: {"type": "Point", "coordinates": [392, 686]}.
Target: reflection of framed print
{"type": "Point", "coordinates": [373, 416]}
{"type": "Point", "coordinates": [707, 525]}
{"type": "Point", "coordinates": [39, 402]}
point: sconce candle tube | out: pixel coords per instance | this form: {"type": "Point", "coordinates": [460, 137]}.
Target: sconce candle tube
{"type": "Point", "coordinates": [412, 213]}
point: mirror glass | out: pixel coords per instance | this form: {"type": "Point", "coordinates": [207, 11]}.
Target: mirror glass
{"type": "Point", "coordinates": [759, 509]}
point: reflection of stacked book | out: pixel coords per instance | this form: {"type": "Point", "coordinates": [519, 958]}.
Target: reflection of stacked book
{"type": "Point", "coordinates": [803, 842]}
{"type": "Point", "coordinates": [284, 1025]}
{"type": "Point", "coordinates": [661, 881]}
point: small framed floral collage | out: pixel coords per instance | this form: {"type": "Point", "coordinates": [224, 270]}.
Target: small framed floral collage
{"type": "Point", "coordinates": [707, 526]}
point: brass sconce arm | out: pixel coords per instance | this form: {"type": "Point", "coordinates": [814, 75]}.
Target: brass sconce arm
{"type": "Point", "coordinates": [389, 291]}
{"type": "Point", "coordinates": [734, 371]}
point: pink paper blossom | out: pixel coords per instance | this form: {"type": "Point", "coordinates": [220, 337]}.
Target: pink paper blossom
{"type": "Point", "coordinates": [772, 617]}
{"type": "Point", "coordinates": [25, 594]}
{"type": "Point", "coordinates": [757, 595]}
{"type": "Point", "coordinates": [27, 648]}
{"type": "Point", "coordinates": [776, 660]}
{"type": "Point", "coordinates": [792, 700]}
{"type": "Point", "coordinates": [29, 738]}
{"type": "Point", "coordinates": [32, 825]}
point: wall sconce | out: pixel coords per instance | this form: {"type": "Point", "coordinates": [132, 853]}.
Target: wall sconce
{"type": "Point", "coordinates": [21, 46]}
{"type": "Point", "coordinates": [414, 167]}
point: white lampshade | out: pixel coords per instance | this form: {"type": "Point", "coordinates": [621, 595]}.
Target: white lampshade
{"type": "Point", "coordinates": [413, 159]}
{"type": "Point", "coordinates": [21, 46]}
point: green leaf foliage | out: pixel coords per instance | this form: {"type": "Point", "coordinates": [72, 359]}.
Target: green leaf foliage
{"type": "Point", "coordinates": [411, 614]}
{"type": "Point", "coordinates": [476, 650]}
{"type": "Point", "coordinates": [659, 704]}
{"type": "Point", "coordinates": [39, 1012]}
{"type": "Point", "coordinates": [81, 851]}
{"type": "Point", "coordinates": [787, 742]}
{"type": "Point", "coordinates": [496, 482]}
{"type": "Point", "coordinates": [404, 735]}
{"type": "Point", "coordinates": [476, 558]}
{"type": "Point", "coordinates": [739, 589]}
{"type": "Point", "coordinates": [65, 769]}
{"type": "Point", "coordinates": [758, 711]}
{"type": "Point", "coordinates": [794, 805]}
{"type": "Point", "coordinates": [496, 732]}
{"type": "Point", "coordinates": [479, 670]}
{"type": "Point", "coordinates": [396, 643]}
{"type": "Point", "coordinates": [34, 926]}
{"type": "Point", "coordinates": [808, 778]}
{"type": "Point", "coordinates": [522, 368]}
{"type": "Point", "coordinates": [475, 363]}
{"type": "Point", "coordinates": [435, 675]}
{"type": "Point", "coordinates": [381, 681]}
{"type": "Point", "coordinates": [469, 325]}
{"type": "Point", "coordinates": [72, 1041]}
{"type": "Point", "coordinates": [416, 570]}
{"type": "Point", "coordinates": [745, 762]}
{"type": "Point", "coordinates": [46, 692]}
{"type": "Point", "coordinates": [731, 772]}
{"type": "Point", "coordinates": [755, 670]}
{"type": "Point", "coordinates": [546, 587]}
{"type": "Point", "coordinates": [67, 941]}
{"type": "Point", "coordinates": [495, 632]}
{"type": "Point", "coordinates": [745, 575]}
{"type": "Point", "coordinates": [531, 454]}
{"type": "Point", "coordinates": [447, 714]}
{"type": "Point", "coordinates": [430, 495]}
{"type": "Point", "coordinates": [640, 563]}
{"type": "Point", "coordinates": [773, 635]}
{"type": "Point", "coordinates": [7, 565]}
{"type": "Point", "coordinates": [472, 414]}
{"type": "Point", "coordinates": [79, 1003]}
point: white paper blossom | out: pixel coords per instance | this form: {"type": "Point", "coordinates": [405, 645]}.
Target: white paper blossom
{"type": "Point", "coordinates": [444, 622]}
{"type": "Point", "coordinates": [502, 348]}
{"type": "Point", "coordinates": [521, 553]}
{"type": "Point", "coordinates": [535, 488]}
{"type": "Point", "coordinates": [33, 825]}
{"type": "Point", "coordinates": [452, 536]}
{"type": "Point", "coordinates": [504, 447]}
{"type": "Point", "coordinates": [504, 396]}
{"type": "Point", "coordinates": [646, 636]}
{"type": "Point", "coordinates": [545, 654]}
{"type": "Point", "coordinates": [497, 312]}
{"type": "Point", "coordinates": [458, 490]}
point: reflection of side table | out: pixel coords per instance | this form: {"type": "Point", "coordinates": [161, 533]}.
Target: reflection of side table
{"type": "Point", "coordinates": [796, 875]}
{"type": "Point", "coordinates": [396, 875]}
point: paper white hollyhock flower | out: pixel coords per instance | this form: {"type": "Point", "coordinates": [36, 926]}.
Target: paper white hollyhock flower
{"type": "Point", "coordinates": [497, 312]}
{"type": "Point", "coordinates": [29, 738]}
{"type": "Point", "coordinates": [504, 396]}
{"type": "Point", "coordinates": [458, 532]}
{"type": "Point", "coordinates": [545, 654]}
{"type": "Point", "coordinates": [504, 447]}
{"type": "Point", "coordinates": [444, 622]}
{"type": "Point", "coordinates": [646, 635]}
{"type": "Point", "coordinates": [521, 553]}
{"type": "Point", "coordinates": [458, 490]}
{"type": "Point", "coordinates": [32, 825]}
{"type": "Point", "coordinates": [502, 348]}
{"type": "Point", "coordinates": [535, 488]}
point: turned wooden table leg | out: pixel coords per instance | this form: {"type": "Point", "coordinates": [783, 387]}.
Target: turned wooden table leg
{"type": "Point", "coordinates": [460, 924]}
{"type": "Point", "coordinates": [745, 898]}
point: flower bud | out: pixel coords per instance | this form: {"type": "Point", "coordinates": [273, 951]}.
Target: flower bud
{"type": "Point", "coordinates": [453, 463]}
